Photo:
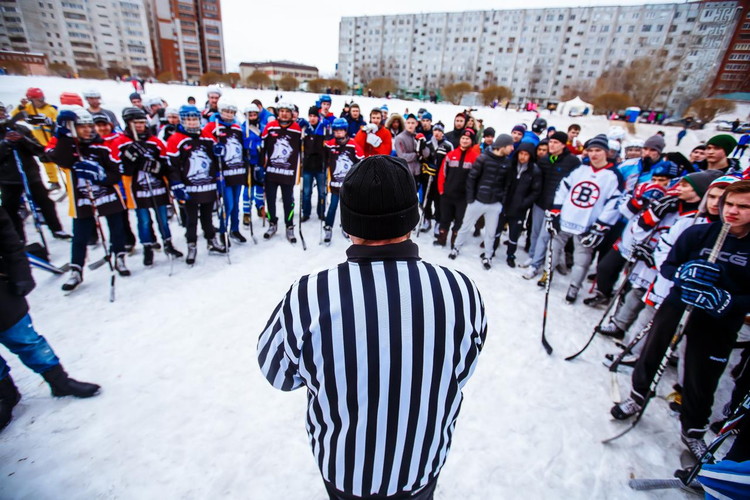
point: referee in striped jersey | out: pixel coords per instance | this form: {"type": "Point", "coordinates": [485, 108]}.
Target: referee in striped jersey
{"type": "Point", "coordinates": [384, 343]}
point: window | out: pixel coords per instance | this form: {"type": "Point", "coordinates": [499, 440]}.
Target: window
{"type": "Point", "coordinates": [646, 28]}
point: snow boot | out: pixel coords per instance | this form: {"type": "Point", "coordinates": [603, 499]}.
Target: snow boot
{"type": "Point", "coordinates": [272, 227]}
{"type": "Point", "coordinates": [237, 236]}
{"type": "Point", "coordinates": [543, 280]}
{"type": "Point", "coordinates": [9, 397]}
{"type": "Point", "coordinates": [426, 225]}
{"type": "Point", "coordinates": [694, 442]}
{"type": "Point", "coordinates": [487, 263]}
{"type": "Point", "coordinates": [246, 220]}
{"type": "Point", "coordinates": [62, 385]}
{"type": "Point", "coordinates": [327, 234]}
{"type": "Point", "coordinates": [453, 254]}
{"type": "Point", "coordinates": [599, 299]}
{"type": "Point", "coordinates": [120, 266]}
{"type": "Point", "coordinates": [625, 409]}
{"type": "Point", "coordinates": [192, 251]}
{"type": "Point", "coordinates": [148, 255]}
{"type": "Point", "coordinates": [61, 235]}
{"type": "Point", "coordinates": [530, 273]}
{"type": "Point", "coordinates": [442, 238]}
{"type": "Point", "coordinates": [572, 294]}
{"type": "Point", "coordinates": [290, 235]}
{"type": "Point", "coordinates": [156, 245]}
{"type": "Point", "coordinates": [511, 261]}
{"type": "Point", "coordinates": [74, 279]}
{"type": "Point", "coordinates": [611, 330]}
{"type": "Point", "coordinates": [171, 250]}
{"type": "Point", "coordinates": [215, 246]}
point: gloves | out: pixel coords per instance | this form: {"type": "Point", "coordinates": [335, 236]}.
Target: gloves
{"type": "Point", "coordinates": [13, 136]}
{"type": "Point", "coordinates": [552, 221]}
{"type": "Point", "coordinates": [23, 288]}
{"type": "Point", "coordinates": [151, 166]}
{"type": "Point", "coordinates": [698, 272]}
{"type": "Point", "coordinates": [428, 169]}
{"type": "Point", "coordinates": [374, 140]}
{"type": "Point", "coordinates": [643, 252]}
{"type": "Point", "coordinates": [421, 143]}
{"type": "Point", "coordinates": [66, 116]}
{"type": "Point", "coordinates": [594, 236]}
{"type": "Point", "coordinates": [259, 174]}
{"type": "Point", "coordinates": [89, 171]}
{"type": "Point", "coordinates": [715, 301]}
{"type": "Point", "coordinates": [664, 206]}
{"type": "Point", "coordinates": [220, 150]}
{"type": "Point", "coordinates": [179, 192]}
{"type": "Point", "coordinates": [136, 152]}
{"type": "Point", "coordinates": [636, 205]}
{"type": "Point", "coordinates": [370, 128]}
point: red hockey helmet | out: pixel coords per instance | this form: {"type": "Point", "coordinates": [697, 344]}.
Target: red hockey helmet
{"type": "Point", "coordinates": [34, 93]}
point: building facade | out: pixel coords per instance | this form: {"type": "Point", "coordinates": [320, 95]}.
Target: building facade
{"type": "Point", "coordinates": [734, 71]}
{"type": "Point", "coordinates": [33, 63]}
{"type": "Point", "coordinates": [540, 53]}
{"type": "Point", "coordinates": [187, 37]}
{"type": "Point", "coordinates": [278, 69]}
{"type": "Point", "coordinates": [84, 34]}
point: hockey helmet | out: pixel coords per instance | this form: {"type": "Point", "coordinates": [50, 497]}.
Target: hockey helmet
{"type": "Point", "coordinates": [665, 168]}
{"type": "Point", "coordinates": [323, 98]}
{"type": "Point", "coordinates": [34, 93]}
{"type": "Point", "coordinates": [634, 144]}
{"type": "Point", "coordinates": [133, 113]}
{"type": "Point", "coordinates": [171, 112]}
{"type": "Point", "coordinates": [614, 145]}
{"type": "Point", "coordinates": [214, 89]}
{"type": "Point", "coordinates": [340, 124]}
{"type": "Point", "coordinates": [284, 105]}
{"type": "Point", "coordinates": [616, 133]}
{"type": "Point", "coordinates": [92, 93]}
{"type": "Point", "coordinates": [539, 125]}
{"type": "Point", "coordinates": [226, 104]}
{"type": "Point", "coordinates": [101, 117]}
{"type": "Point", "coordinates": [252, 108]}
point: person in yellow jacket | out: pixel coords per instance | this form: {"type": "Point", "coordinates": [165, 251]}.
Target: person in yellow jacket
{"type": "Point", "coordinates": [41, 116]}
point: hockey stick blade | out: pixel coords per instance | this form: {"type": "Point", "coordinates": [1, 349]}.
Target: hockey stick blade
{"type": "Point", "coordinates": [621, 434]}
{"type": "Point", "coordinates": [98, 263]}
{"type": "Point", "coordinates": [639, 484]}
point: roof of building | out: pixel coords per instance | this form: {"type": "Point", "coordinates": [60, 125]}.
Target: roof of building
{"type": "Point", "coordinates": [282, 64]}
{"type": "Point", "coordinates": [735, 96]}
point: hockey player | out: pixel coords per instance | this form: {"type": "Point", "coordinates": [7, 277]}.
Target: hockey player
{"type": "Point", "coordinates": [720, 296]}
{"type": "Point", "coordinates": [326, 117]}
{"type": "Point", "coordinates": [223, 129]}
{"type": "Point", "coordinates": [341, 154]}
{"type": "Point", "coordinates": [193, 180]}
{"type": "Point", "coordinates": [18, 145]}
{"type": "Point", "coordinates": [313, 166]}
{"type": "Point", "coordinates": [93, 174]}
{"type": "Point", "coordinates": [94, 100]}
{"type": "Point", "coordinates": [41, 116]}
{"type": "Point", "coordinates": [633, 149]}
{"type": "Point", "coordinates": [145, 170]}
{"type": "Point", "coordinates": [252, 129]}
{"type": "Point", "coordinates": [374, 138]}
{"type": "Point", "coordinates": [282, 140]}
{"type": "Point", "coordinates": [213, 93]}
{"type": "Point", "coordinates": [584, 209]}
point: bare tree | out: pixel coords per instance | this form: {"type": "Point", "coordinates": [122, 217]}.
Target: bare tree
{"type": "Point", "coordinates": [288, 83]}
{"type": "Point", "coordinates": [258, 79]}
{"type": "Point", "coordinates": [707, 109]}
{"type": "Point", "coordinates": [493, 92]}
{"type": "Point", "coordinates": [611, 101]}
{"type": "Point", "coordinates": [211, 77]}
{"type": "Point", "coordinates": [380, 86]}
{"type": "Point", "coordinates": [455, 91]}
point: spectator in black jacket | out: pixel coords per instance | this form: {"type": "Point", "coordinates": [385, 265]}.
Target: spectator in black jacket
{"type": "Point", "coordinates": [17, 332]}
{"type": "Point", "coordinates": [312, 166]}
{"type": "Point", "coordinates": [17, 144]}
{"type": "Point", "coordinates": [558, 163]}
{"type": "Point", "coordinates": [524, 185]}
{"type": "Point", "coordinates": [485, 190]}
{"type": "Point", "coordinates": [454, 136]}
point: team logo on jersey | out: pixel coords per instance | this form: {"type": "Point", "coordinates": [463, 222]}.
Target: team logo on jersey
{"type": "Point", "coordinates": [234, 151]}
{"type": "Point", "coordinates": [282, 152]}
{"type": "Point", "coordinates": [343, 164]}
{"type": "Point", "coordinates": [200, 165]}
{"type": "Point", "coordinates": [585, 194]}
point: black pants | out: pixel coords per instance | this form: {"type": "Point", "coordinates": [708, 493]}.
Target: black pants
{"type": "Point", "coordinates": [204, 212]}
{"type": "Point", "coordinates": [129, 235]}
{"type": "Point", "coordinates": [287, 197]}
{"type": "Point", "coordinates": [608, 270]}
{"type": "Point", "coordinates": [709, 342]}
{"type": "Point", "coordinates": [82, 228]}
{"type": "Point", "coordinates": [11, 195]}
{"type": "Point", "coordinates": [432, 197]}
{"type": "Point", "coordinates": [451, 211]}
{"type": "Point", "coordinates": [425, 493]}
{"type": "Point", "coordinates": [515, 227]}
{"type": "Point", "coordinates": [610, 237]}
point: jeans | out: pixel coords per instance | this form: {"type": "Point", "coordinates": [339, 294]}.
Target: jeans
{"type": "Point", "coordinates": [82, 229]}
{"type": "Point", "coordinates": [231, 208]}
{"type": "Point", "coordinates": [31, 348]}
{"type": "Point", "coordinates": [331, 216]}
{"type": "Point", "coordinates": [307, 186]}
{"type": "Point", "coordinates": [145, 232]}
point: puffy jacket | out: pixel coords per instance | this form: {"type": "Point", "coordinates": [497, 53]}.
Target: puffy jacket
{"type": "Point", "coordinates": [454, 172]}
{"type": "Point", "coordinates": [27, 147]}
{"type": "Point", "coordinates": [522, 190]}
{"type": "Point", "coordinates": [554, 171]}
{"type": "Point", "coordinates": [486, 181]}
{"type": "Point", "coordinates": [14, 268]}
{"type": "Point", "coordinates": [313, 150]}
{"type": "Point", "coordinates": [405, 145]}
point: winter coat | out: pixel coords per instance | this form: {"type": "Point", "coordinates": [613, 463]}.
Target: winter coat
{"type": "Point", "coordinates": [486, 182]}
{"type": "Point", "coordinates": [42, 120]}
{"type": "Point", "coordinates": [454, 137]}
{"type": "Point", "coordinates": [354, 125]}
{"type": "Point", "coordinates": [454, 172]}
{"type": "Point", "coordinates": [14, 268]}
{"type": "Point", "coordinates": [552, 173]}
{"type": "Point", "coordinates": [522, 190]}
{"type": "Point", "coordinates": [313, 149]}
{"type": "Point", "coordinates": [405, 145]}
{"type": "Point", "coordinates": [27, 147]}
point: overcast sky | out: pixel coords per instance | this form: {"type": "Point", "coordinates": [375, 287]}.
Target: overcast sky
{"type": "Point", "coordinates": [307, 31]}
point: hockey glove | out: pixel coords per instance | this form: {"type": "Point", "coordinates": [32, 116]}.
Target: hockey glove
{"type": "Point", "coordinates": [38, 119]}
{"type": "Point", "coordinates": [151, 166]}
{"type": "Point", "coordinates": [370, 128]}
{"type": "Point", "coordinates": [259, 174]}
{"type": "Point", "coordinates": [220, 150]}
{"type": "Point", "coordinates": [90, 171]}
{"type": "Point", "coordinates": [643, 252]}
{"type": "Point", "coordinates": [698, 272]}
{"type": "Point", "coordinates": [421, 145]}
{"type": "Point", "coordinates": [552, 221]}
{"type": "Point", "coordinates": [135, 152]}
{"type": "Point", "coordinates": [664, 206]}
{"type": "Point", "coordinates": [374, 140]}
{"type": "Point", "coordinates": [594, 236]}
{"type": "Point", "coordinates": [715, 301]}
{"type": "Point", "coordinates": [179, 192]}
{"type": "Point", "coordinates": [13, 136]}
{"type": "Point", "coordinates": [428, 169]}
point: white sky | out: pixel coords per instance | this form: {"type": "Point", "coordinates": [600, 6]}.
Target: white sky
{"type": "Point", "coordinates": [307, 31]}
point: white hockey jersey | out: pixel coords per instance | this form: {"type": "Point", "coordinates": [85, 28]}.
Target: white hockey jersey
{"type": "Point", "coordinates": [588, 195]}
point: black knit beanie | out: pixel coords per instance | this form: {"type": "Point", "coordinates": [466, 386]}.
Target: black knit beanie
{"type": "Point", "coordinates": [379, 199]}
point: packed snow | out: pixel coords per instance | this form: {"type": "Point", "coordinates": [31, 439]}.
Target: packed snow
{"type": "Point", "coordinates": [184, 411]}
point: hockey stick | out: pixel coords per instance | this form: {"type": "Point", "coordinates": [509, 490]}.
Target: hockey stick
{"type": "Point", "coordinates": [424, 204]}
{"type": "Point", "coordinates": [299, 181]}
{"type": "Point", "coordinates": [30, 200]}
{"type": "Point", "coordinates": [46, 140]}
{"type": "Point", "coordinates": [673, 343]}
{"type": "Point", "coordinates": [550, 272]}
{"type": "Point", "coordinates": [614, 385]}
{"type": "Point", "coordinates": [220, 151]}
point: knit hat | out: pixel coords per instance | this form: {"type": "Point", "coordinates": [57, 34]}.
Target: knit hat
{"type": "Point", "coordinates": [701, 180]}
{"type": "Point", "coordinates": [439, 126]}
{"type": "Point", "coordinates": [379, 199]}
{"type": "Point", "coordinates": [599, 141]}
{"type": "Point", "coordinates": [427, 116]}
{"type": "Point", "coordinates": [723, 181]}
{"type": "Point", "coordinates": [559, 136]}
{"type": "Point", "coordinates": [501, 141]}
{"type": "Point", "coordinates": [314, 110]}
{"type": "Point", "coordinates": [655, 142]}
{"type": "Point", "coordinates": [489, 132]}
{"type": "Point", "coordinates": [519, 128]}
{"type": "Point", "coordinates": [469, 132]}
{"type": "Point", "coordinates": [723, 141]}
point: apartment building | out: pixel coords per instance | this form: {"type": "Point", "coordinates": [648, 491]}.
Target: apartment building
{"type": "Point", "coordinates": [278, 69]}
{"type": "Point", "coordinates": [734, 70]}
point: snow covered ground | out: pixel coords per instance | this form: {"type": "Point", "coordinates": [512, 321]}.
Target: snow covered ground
{"type": "Point", "coordinates": [185, 412]}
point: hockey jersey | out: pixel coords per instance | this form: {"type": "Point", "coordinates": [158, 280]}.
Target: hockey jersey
{"type": "Point", "coordinates": [144, 176]}
{"type": "Point", "coordinates": [339, 159]}
{"type": "Point", "coordinates": [234, 167]}
{"type": "Point", "coordinates": [586, 196]}
{"type": "Point", "coordinates": [281, 152]}
{"type": "Point", "coordinates": [633, 173]}
{"type": "Point", "coordinates": [193, 163]}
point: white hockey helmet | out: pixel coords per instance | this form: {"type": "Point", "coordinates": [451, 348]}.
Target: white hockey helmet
{"type": "Point", "coordinates": [616, 132]}
{"type": "Point", "coordinates": [284, 105]}
{"type": "Point", "coordinates": [154, 101]}
{"type": "Point", "coordinates": [171, 112]}
{"type": "Point", "coordinates": [83, 117]}
{"type": "Point", "coordinates": [634, 143]}
{"type": "Point", "coordinates": [252, 108]}
{"type": "Point", "coordinates": [614, 145]}
{"type": "Point", "coordinates": [214, 89]}
{"type": "Point", "coordinates": [226, 104]}
{"type": "Point", "coordinates": [93, 93]}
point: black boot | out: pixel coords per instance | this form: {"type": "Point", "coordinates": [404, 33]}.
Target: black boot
{"type": "Point", "coordinates": [62, 385]}
{"type": "Point", "coordinates": [9, 397]}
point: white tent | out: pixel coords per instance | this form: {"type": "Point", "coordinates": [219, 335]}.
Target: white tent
{"type": "Point", "coordinates": [575, 107]}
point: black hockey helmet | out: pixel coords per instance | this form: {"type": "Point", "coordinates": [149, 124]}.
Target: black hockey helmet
{"type": "Point", "coordinates": [539, 125]}
{"type": "Point", "coordinates": [133, 113]}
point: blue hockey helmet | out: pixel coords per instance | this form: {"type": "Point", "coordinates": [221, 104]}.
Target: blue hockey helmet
{"type": "Point", "coordinates": [340, 124]}
{"type": "Point", "coordinates": [189, 111]}
{"type": "Point", "coordinates": [325, 98]}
